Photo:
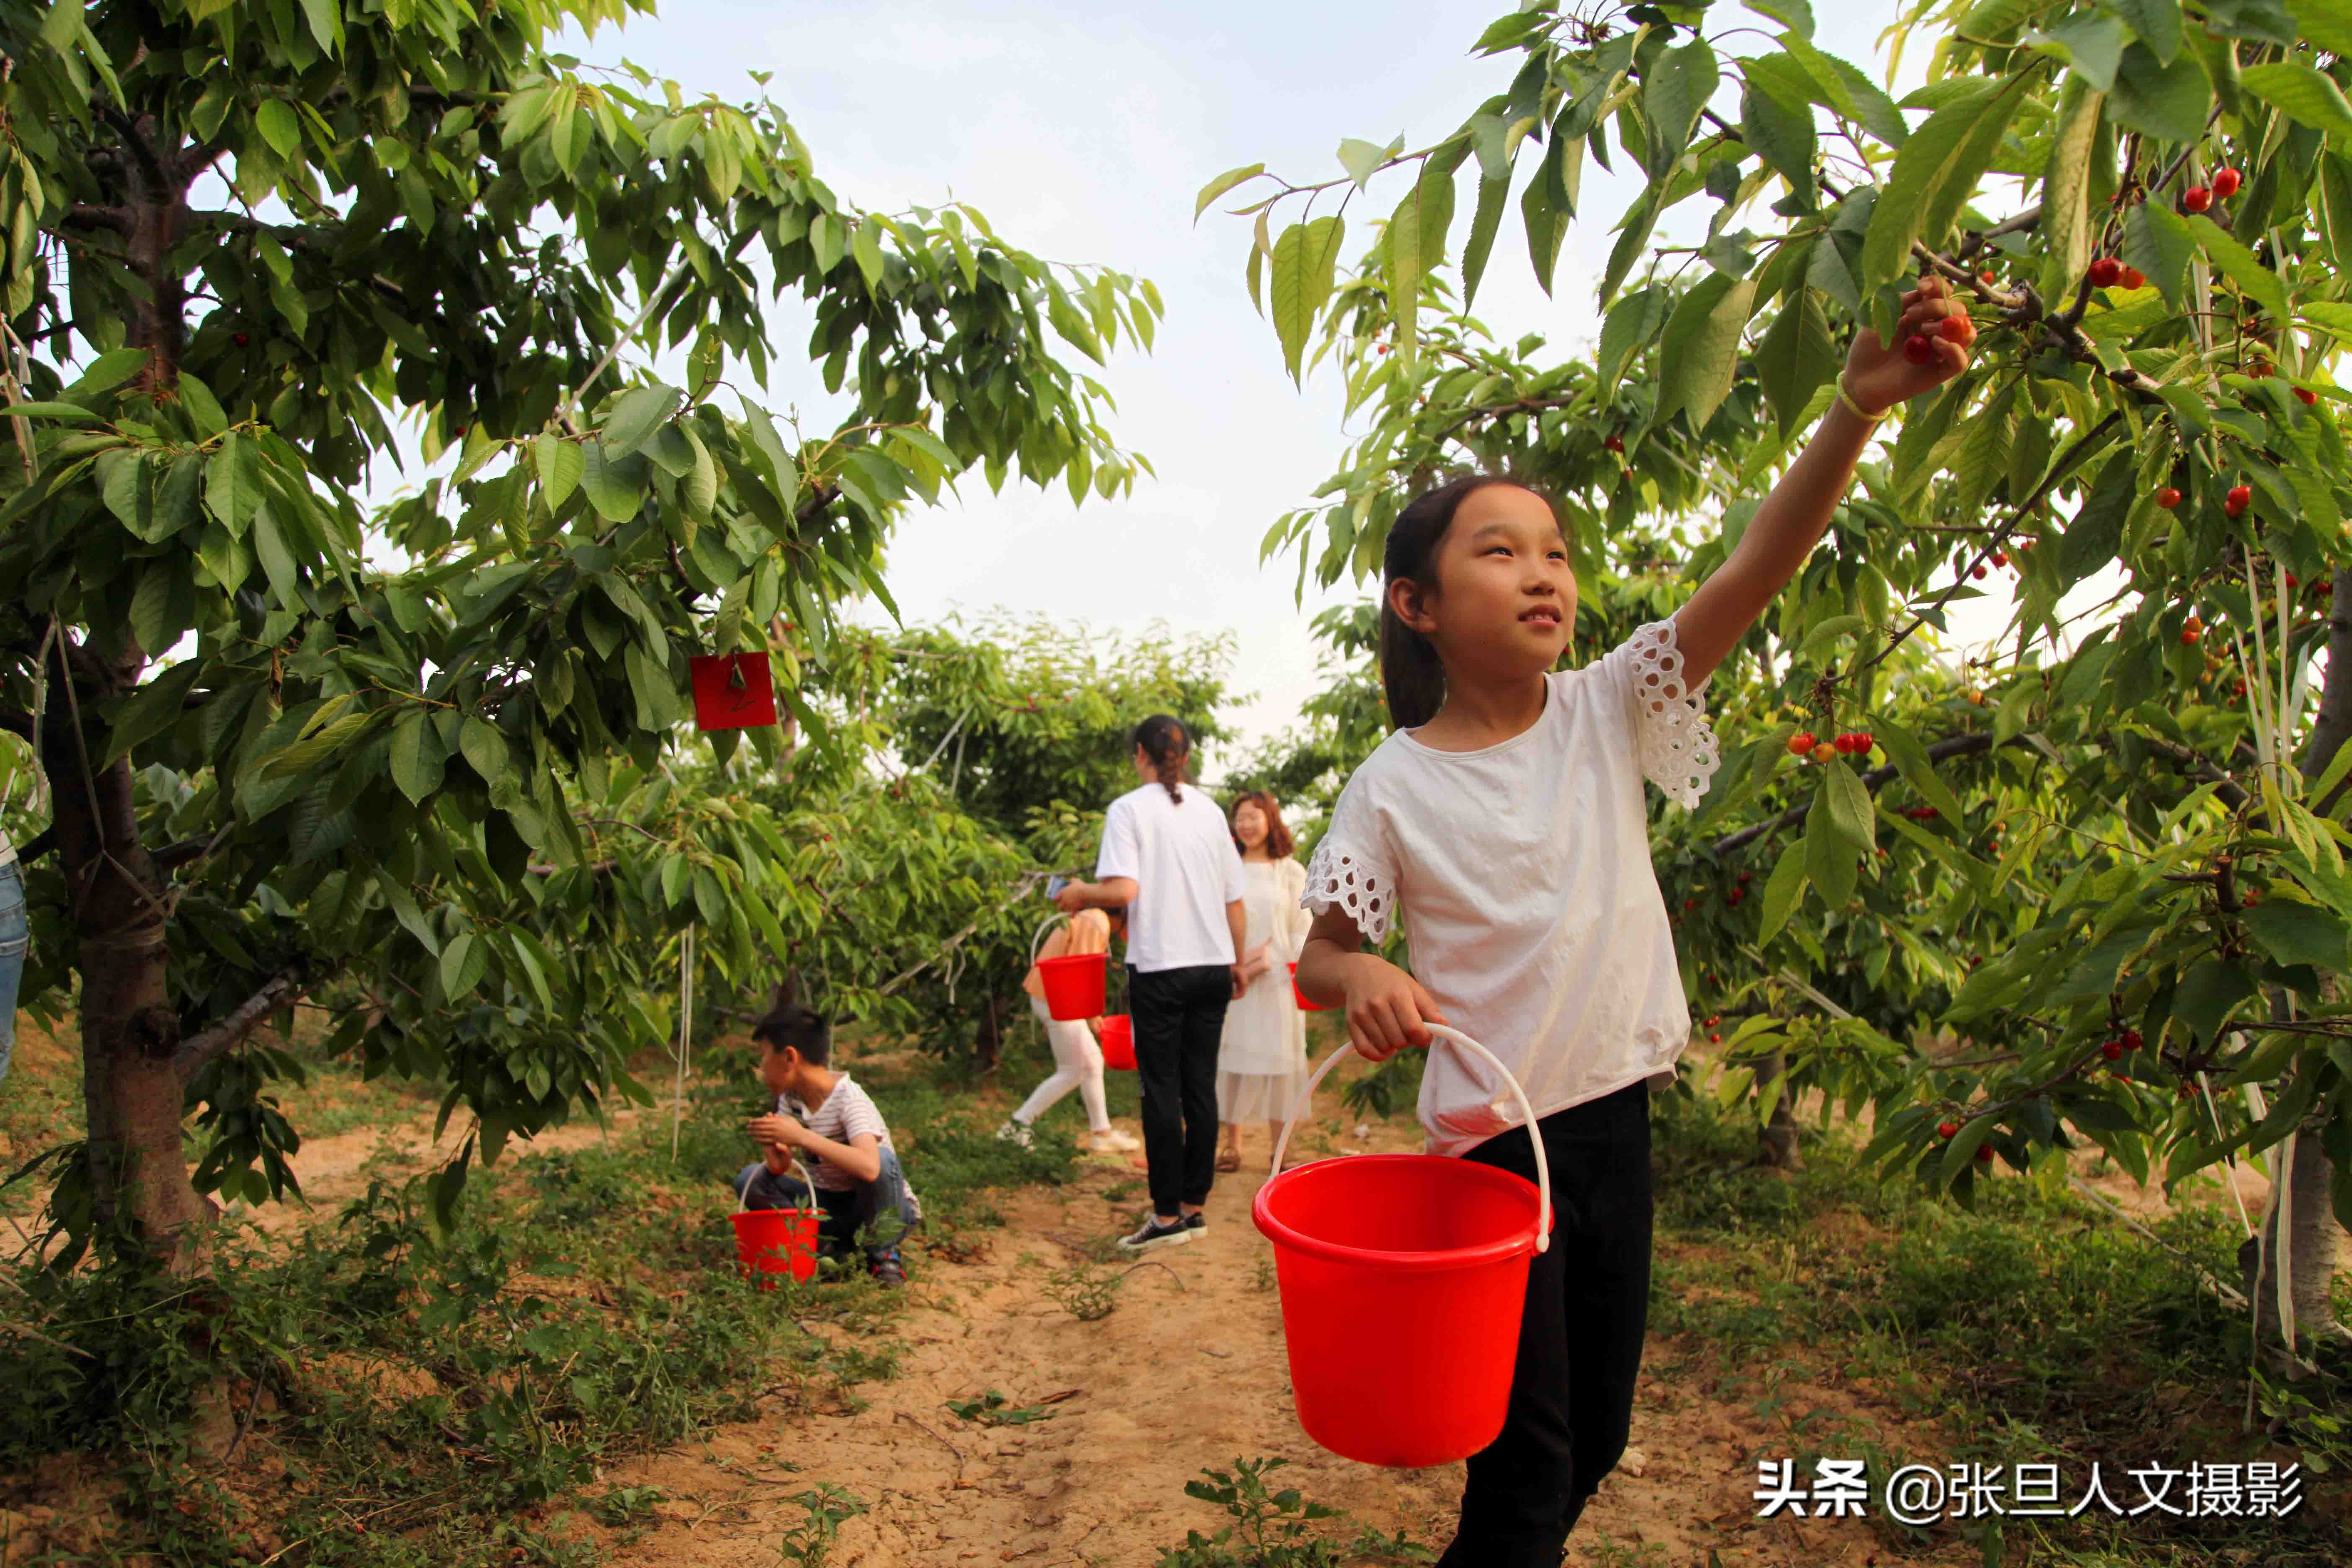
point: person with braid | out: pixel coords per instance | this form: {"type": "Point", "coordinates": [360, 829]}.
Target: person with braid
{"type": "Point", "coordinates": [1169, 860]}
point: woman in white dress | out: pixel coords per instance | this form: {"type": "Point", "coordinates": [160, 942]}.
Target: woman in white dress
{"type": "Point", "coordinates": [1262, 1056]}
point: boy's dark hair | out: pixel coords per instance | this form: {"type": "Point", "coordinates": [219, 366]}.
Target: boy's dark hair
{"type": "Point", "coordinates": [1168, 744]}
{"type": "Point", "coordinates": [1412, 678]}
{"type": "Point", "coordinates": [788, 1025]}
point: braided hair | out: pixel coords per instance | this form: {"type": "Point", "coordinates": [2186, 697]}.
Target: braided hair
{"type": "Point", "coordinates": [1167, 745]}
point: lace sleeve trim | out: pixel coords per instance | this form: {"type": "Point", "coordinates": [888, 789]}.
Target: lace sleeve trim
{"type": "Point", "coordinates": [1339, 878]}
{"type": "Point", "coordinates": [1679, 747]}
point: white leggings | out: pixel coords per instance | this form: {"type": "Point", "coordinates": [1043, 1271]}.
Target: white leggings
{"type": "Point", "coordinates": [1077, 1064]}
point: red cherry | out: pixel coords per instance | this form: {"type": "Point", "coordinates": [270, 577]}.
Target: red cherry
{"type": "Point", "coordinates": [2000, 557]}
{"type": "Point", "coordinates": [2309, 398]}
{"type": "Point", "coordinates": [1384, 348]}
{"type": "Point", "coordinates": [1714, 1039]}
{"type": "Point", "coordinates": [1918, 349]}
{"type": "Point", "coordinates": [1713, 1019]}
{"type": "Point", "coordinates": [2106, 272]}
{"type": "Point", "coordinates": [1978, 570]}
{"type": "Point", "coordinates": [1800, 742]}
{"type": "Point", "coordinates": [240, 340]}
{"type": "Point", "coordinates": [2134, 278]}
{"type": "Point", "coordinates": [2241, 497]}
{"type": "Point", "coordinates": [1745, 877]}
{"type": "Point", "coordinates": [1987, 278]}
{"type": "Point", "coordinates": [1947, 1129]}
{"type": "Point", "coordinates": [2112, 1050]}
{"type": "Point", "coordinates": [1863, 741]}
{"type": "Point", "coordinates": [2188, 635]}
{"type": "Point", "coordinates": [1957, 329]}
{"type": "Point", "coordinates": [2167, 498]}
{"type": "Point", "coordinates": [1734, 896]}
{"type": "Point", "coordinates": [2226, 183]}
{"type": "Point", "coordinates": [2197, 198]}
{"type": "Point", "coordinates": [2290, 580]}
{"type": "Point", "coordinates": [1614, 444]}
{"type": "Point", "coordinates": [1984, 1153]}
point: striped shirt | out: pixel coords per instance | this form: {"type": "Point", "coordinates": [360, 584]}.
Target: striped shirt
{"type": "Point", "coordinates": [847, 1113]}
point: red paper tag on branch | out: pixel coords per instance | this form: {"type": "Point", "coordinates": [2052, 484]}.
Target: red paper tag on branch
{"type": "Point", "coordinates": [733, 691]}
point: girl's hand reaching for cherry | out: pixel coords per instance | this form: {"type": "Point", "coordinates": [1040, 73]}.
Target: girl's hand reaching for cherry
{"type": "Point", "coordinates": [1931, 347]}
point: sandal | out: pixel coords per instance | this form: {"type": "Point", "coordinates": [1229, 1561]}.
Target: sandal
{"type": "Point", "coordinates": [1229, 1159]}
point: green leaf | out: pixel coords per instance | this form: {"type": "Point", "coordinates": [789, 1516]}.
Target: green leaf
{"type": "Point", "coordinates": [2158, 242]}
{"type": "Point", "coordinates": [1701, 348]}
{"type": "Point", "coordinates": [639, 413]}
{"type": "Point", "coordinates": [2301, 933]}
{"type": "Point", "coordinates": [2066, 189]}
{"type": "Point", "coordinates": [1797, 358]}
{"type": "Point", "coordinates": [616, 489]}
{"type": "Point", "coordinates": [1674, 90]}
{"type": "Point", "coordinates": [2301, 92]}
{"type": "Point", "coordinates": [1493, 196]}
{"type": "Point", "coordinates": [1306, 259]}
{"type": "Point", "coordinates": [462, 963]}
{"type": "Point", "coordinates": [1850, 808]}
{"type": "Point", "coordinates": [1828, 851]}
{"type": "Point", "coordinates": [326, 18]}
{"type": "Point", "coordinates": [2092, 42]}
{"type": "Point", "coordinates": [1222, 184]}
{"type": "Point", "coordinates": [560, 463]}
{"type": "Point", "coordinates": [270, 547]}
{"type": "Point", "coordinates": [1910, 760]}
{"type": "Point", "coordinates": [1360, 158]}
{"type": "Point", "coordinates": [2256, 282]}
{"type": "Point", "coordinates": [203, 408]}
{"type": "Point", "coordinates": [2096, 532]}
{"type": "Point", "coordinates": [2169, 102]}
{"type": "Point", "coordinates": [1935, 175]}
{"type": "Point", "coordinates": [1414, 244]}
{"type": "Point", "coordinates": [417, 756]}
{"type": "Point", "coordinates": [1783, 135]}
{"type": "Point", "coordinates": [2325, 24]}
{"type": "Point", "coordinates": [484, 747]}
{"type": "Point", "coordinates": [1632, 322]}
{"type": "Point", "coordinates": [2155, 22]}
{"type": "Point", "coordinates": [232, 482]}
{"type": "Point", "coordinates": [279, 127]}
{"type": "Point", "coordinates": [1781, 891]}
{"type": "Point", "coordinates": [865, 249]}
{"type": "Point", "coordinates": [151, 709]}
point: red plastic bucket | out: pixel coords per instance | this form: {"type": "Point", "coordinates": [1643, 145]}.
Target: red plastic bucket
{"type": "Point", "coordinates": [1440, 1244]}
{"type": "Point", "coordinates": [1118, 1042]}
{"type": "Point", "coordinates": [1074, 985]}
{"type": "Point", "coordinates": [1300, 997]}
{"type": "Point", "coordinates": [768, 1242]}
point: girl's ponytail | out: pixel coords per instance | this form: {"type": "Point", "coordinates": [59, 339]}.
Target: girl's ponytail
{"type": "Point", "coordinates": [1167, 744]}
{"type": "Point", "coordinates": [1412, 678]}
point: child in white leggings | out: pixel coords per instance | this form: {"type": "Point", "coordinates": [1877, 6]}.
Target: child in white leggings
{"type": "Point", "coordinates": [1077, 1059]}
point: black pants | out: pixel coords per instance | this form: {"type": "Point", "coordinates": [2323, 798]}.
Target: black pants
{"type": "Point", "coordinates": [1179, 1015]}
{"type": "Point", "coordinates": [1579, 1340]}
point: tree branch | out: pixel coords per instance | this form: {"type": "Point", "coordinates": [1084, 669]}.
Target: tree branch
{"type": "Point", "coordinates": [84, 215]}
{"type": "Point", "coordinates": [1873, 781]}
{"type": "Point", "coordinates": [199, 1048]}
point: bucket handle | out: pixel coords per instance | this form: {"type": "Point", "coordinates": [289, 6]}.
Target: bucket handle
{"type": "Point", "coordinates": [1460, 1041]}
{"type": "Point", "coordinates": [741, 1206]}
{"type": "Point", "coordinates": [1038, 940]}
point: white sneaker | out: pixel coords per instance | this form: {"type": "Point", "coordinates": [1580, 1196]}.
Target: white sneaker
{"type": "Point", "coordinates": [1014, 1132]}
{"type": "Point", "coordinates": [1113, 1142]}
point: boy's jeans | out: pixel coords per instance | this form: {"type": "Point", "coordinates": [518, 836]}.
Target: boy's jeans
{"type": "Point", "coordinates": [12, 955]}
{"type": "Point", "coordinates": [848, 1214]}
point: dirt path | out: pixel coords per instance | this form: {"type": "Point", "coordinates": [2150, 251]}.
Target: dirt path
{"type": "Point", "coordinates": [1188, 1372]}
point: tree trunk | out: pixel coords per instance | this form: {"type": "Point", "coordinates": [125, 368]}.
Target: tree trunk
{"type": "Point", "coordinates": [2309, 1216]}
{"type": "Point", "coordinates": [128, 1027]}
{"type": "Point", "coordinates": [1777, 1136]}
{"type": "Point", "coordinates": [2312, 1226]}
{"type": "Point", "coordinates": [988, 1041]}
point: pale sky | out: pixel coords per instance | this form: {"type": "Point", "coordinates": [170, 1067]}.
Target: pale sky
{"type": "Point", "coordinates": [1084, 133]}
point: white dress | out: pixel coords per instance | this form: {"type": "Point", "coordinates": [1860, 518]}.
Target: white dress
{"type": "Point", "coordinates": [1262, 1056]}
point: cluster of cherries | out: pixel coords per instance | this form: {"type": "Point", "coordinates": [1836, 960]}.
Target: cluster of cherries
{"type": "Point", "coordinates": [2197, 198]}
{"type": "Point", "coordinates": [1921, 813]}
{"type": "Point", "coordinates": [1855, 743]}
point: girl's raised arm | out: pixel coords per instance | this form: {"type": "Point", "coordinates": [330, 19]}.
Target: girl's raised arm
{"type": "Point", "coordinates": [1790, 522]}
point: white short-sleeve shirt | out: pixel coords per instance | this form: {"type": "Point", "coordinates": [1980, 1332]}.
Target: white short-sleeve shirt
{"type": "Point", "coordinates": [1186, 870]}
{"type": "Point", "coordinates": [1523, 874]}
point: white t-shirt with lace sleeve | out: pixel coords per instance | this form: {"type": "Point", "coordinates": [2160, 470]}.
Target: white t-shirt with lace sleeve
{"type": "Point", "coordinates": [1522, 872]}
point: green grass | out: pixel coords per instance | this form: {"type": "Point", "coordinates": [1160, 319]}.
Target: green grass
{"type": "Point", "coordinates": [2034, 1329]}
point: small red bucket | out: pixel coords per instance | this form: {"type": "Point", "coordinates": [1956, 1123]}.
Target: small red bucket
{"type": "Point", "coordinates": [1074, 985]}
{"type": "Point", "coordinates": [733, 691]}
{"type": "Point", "coordinates": [768, 1242]}
{"type": "Point", "coordinates": [1118, 1042]}
{"type": "Point", "coordinates": [1441, 1244]}
{"type": "Point", "coordinates": [1300, 997]}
